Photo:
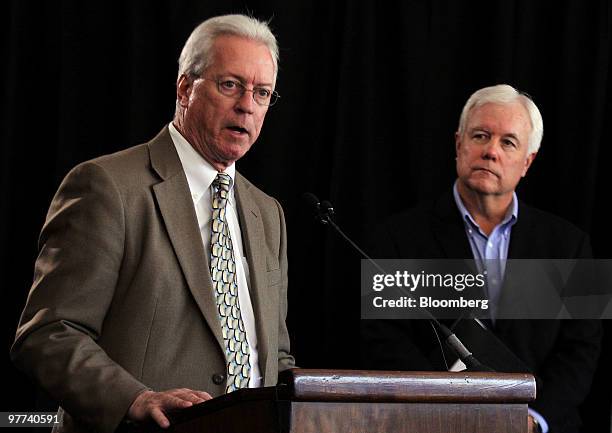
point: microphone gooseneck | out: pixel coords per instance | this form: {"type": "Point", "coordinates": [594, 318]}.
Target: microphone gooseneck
{"type": "Point", "coordinates": [324, 213]}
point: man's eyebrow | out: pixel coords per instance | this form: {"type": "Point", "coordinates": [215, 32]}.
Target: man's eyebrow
{"type": "Point", "coordinates": [243, 80]}
{"type": "Point", "coordinates": [487, 130]}
{"type": "Point", "coordinates": [479, 128]}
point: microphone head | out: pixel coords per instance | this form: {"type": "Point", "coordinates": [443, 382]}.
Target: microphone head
{"type": "Point", "coordinates": [320, 213]}
{"type": "Point", "coordinates": [311, 200]}
{"type": "Point", "coordinates": [327, 208]}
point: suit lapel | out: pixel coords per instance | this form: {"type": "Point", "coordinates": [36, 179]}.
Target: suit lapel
{"type": "Point", "coordinates": [253, 239]}
{"type": "Point", "coordinates": [522, 240]}
{"type": "Point", "coordinates": [174, 200]}
{"type": "Point", "coordinates": [448, 229]}
{"type": "Point", "coordinates": [521, 247]}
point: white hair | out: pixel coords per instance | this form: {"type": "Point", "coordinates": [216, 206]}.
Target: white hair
{"type": "Point", "coordinates": [196, 55]}
{"type": "Point", "coordinates": [505, 94]}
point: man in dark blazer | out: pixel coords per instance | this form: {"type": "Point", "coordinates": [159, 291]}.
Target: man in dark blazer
{"type": "Point", "coordinates": [498, 137]}
{"type": "Point", "coordinates": [122, 321]}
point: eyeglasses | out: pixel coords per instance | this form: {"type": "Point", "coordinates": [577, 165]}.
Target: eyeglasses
{"type": "Point", "coordinates": [235, 89]}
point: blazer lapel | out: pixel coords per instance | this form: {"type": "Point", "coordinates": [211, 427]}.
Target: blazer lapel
{"type": "Point", "coordinates": [174, 200]}
{"type": "Point", "coordinates": [253, 240]}
{"type": "Point", "coordinates": [521, 247]}
{"type": "Point", "coordinates": [522, 244]}
{"type": "Point", "coordinates": [449, 232]}
{"type": "Point", "coordinates": [448, 229]}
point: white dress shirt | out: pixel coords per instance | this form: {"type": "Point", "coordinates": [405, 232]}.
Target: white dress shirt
{"type": "Point", "coordinates": [200, 176]}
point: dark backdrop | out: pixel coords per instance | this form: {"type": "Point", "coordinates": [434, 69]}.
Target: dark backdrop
{"type": "Point", "coordinates": [371, 95]}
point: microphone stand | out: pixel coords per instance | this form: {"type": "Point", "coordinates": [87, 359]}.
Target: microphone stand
{"type": "Point", "coordinates": [324, 213]}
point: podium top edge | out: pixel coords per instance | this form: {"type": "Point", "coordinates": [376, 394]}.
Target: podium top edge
{"type": "Point", "coordinates": [407, 386]}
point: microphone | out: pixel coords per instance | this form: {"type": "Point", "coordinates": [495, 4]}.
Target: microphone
{"type": "Point", "coordinates": [321, 214]}
{"type": "Point", "coordinates": [324, 212]}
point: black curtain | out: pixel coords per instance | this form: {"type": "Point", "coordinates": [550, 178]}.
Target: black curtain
{"type": "Point", "coordinates": [371, 96]}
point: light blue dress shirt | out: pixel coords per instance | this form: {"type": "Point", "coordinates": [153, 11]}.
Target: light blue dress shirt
{"type": "Point", "coordinates": [490, 253]}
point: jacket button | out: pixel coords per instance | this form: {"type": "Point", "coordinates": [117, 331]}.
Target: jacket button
{"type": "Point", "coordinates": [218, 378]}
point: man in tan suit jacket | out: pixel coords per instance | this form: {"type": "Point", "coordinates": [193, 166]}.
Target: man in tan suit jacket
{"type": "Point", "coordinates": [121, 321]}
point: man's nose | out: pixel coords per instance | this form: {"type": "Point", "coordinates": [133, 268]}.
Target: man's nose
{"type": "Point", "coordinates": [491, 150]}
{"type": "Point", "coordinates": [246, 103]}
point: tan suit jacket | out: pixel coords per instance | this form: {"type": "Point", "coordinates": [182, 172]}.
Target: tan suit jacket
{"type": "Point", "coordinates": [122, 297]}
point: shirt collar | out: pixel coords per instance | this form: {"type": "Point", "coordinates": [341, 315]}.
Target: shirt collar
{"type": "Point", "coordinates": [509, 219]}
{"type": "Point", "coordinates": [199, 172]}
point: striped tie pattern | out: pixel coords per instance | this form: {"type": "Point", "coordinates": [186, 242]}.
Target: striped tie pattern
{"type": "Point", "coordinates": [223, 273]}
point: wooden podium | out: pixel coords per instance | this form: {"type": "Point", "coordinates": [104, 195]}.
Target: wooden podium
{"type": "Point", "coordinates": [356, 401]}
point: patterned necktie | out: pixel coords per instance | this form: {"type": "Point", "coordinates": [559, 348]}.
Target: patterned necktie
{"type": "Point", "coordinates": [224, 278]}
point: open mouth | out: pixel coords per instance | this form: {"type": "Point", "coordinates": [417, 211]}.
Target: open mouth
{"type": "Point", "coordinates": [238, 129]}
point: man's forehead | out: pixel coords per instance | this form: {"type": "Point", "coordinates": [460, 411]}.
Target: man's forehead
{"type": "Point", "coordinates": [243, 59]}
{"type": "Point", "coordinates": [510, 118]}
{"type": "Point", "coordinates": [237, 49]}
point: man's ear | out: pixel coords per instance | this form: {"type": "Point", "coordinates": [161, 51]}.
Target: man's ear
{"type": "Point", "coordinates": [184, 85]}
{"type": "Point", "coordinates": [457, 143]}
{"type": "Point", "coordinates": [528, 162]}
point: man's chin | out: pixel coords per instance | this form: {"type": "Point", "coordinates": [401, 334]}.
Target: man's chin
{"type": "Point", "coordinates": [484, 187]}
{"type": "Point", "coordinates": [233, 152]}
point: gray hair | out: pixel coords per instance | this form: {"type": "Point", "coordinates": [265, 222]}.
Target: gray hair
{"type": "Point", "coordinates": [505, 94]}
{"type": "Point", "coordinates": [196, 55]}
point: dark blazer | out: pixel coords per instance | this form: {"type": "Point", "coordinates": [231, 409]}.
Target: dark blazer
{"type": "Point", "coordinates": [122, 298]}
{"type": "Point", "coordinates": [562, 354]}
